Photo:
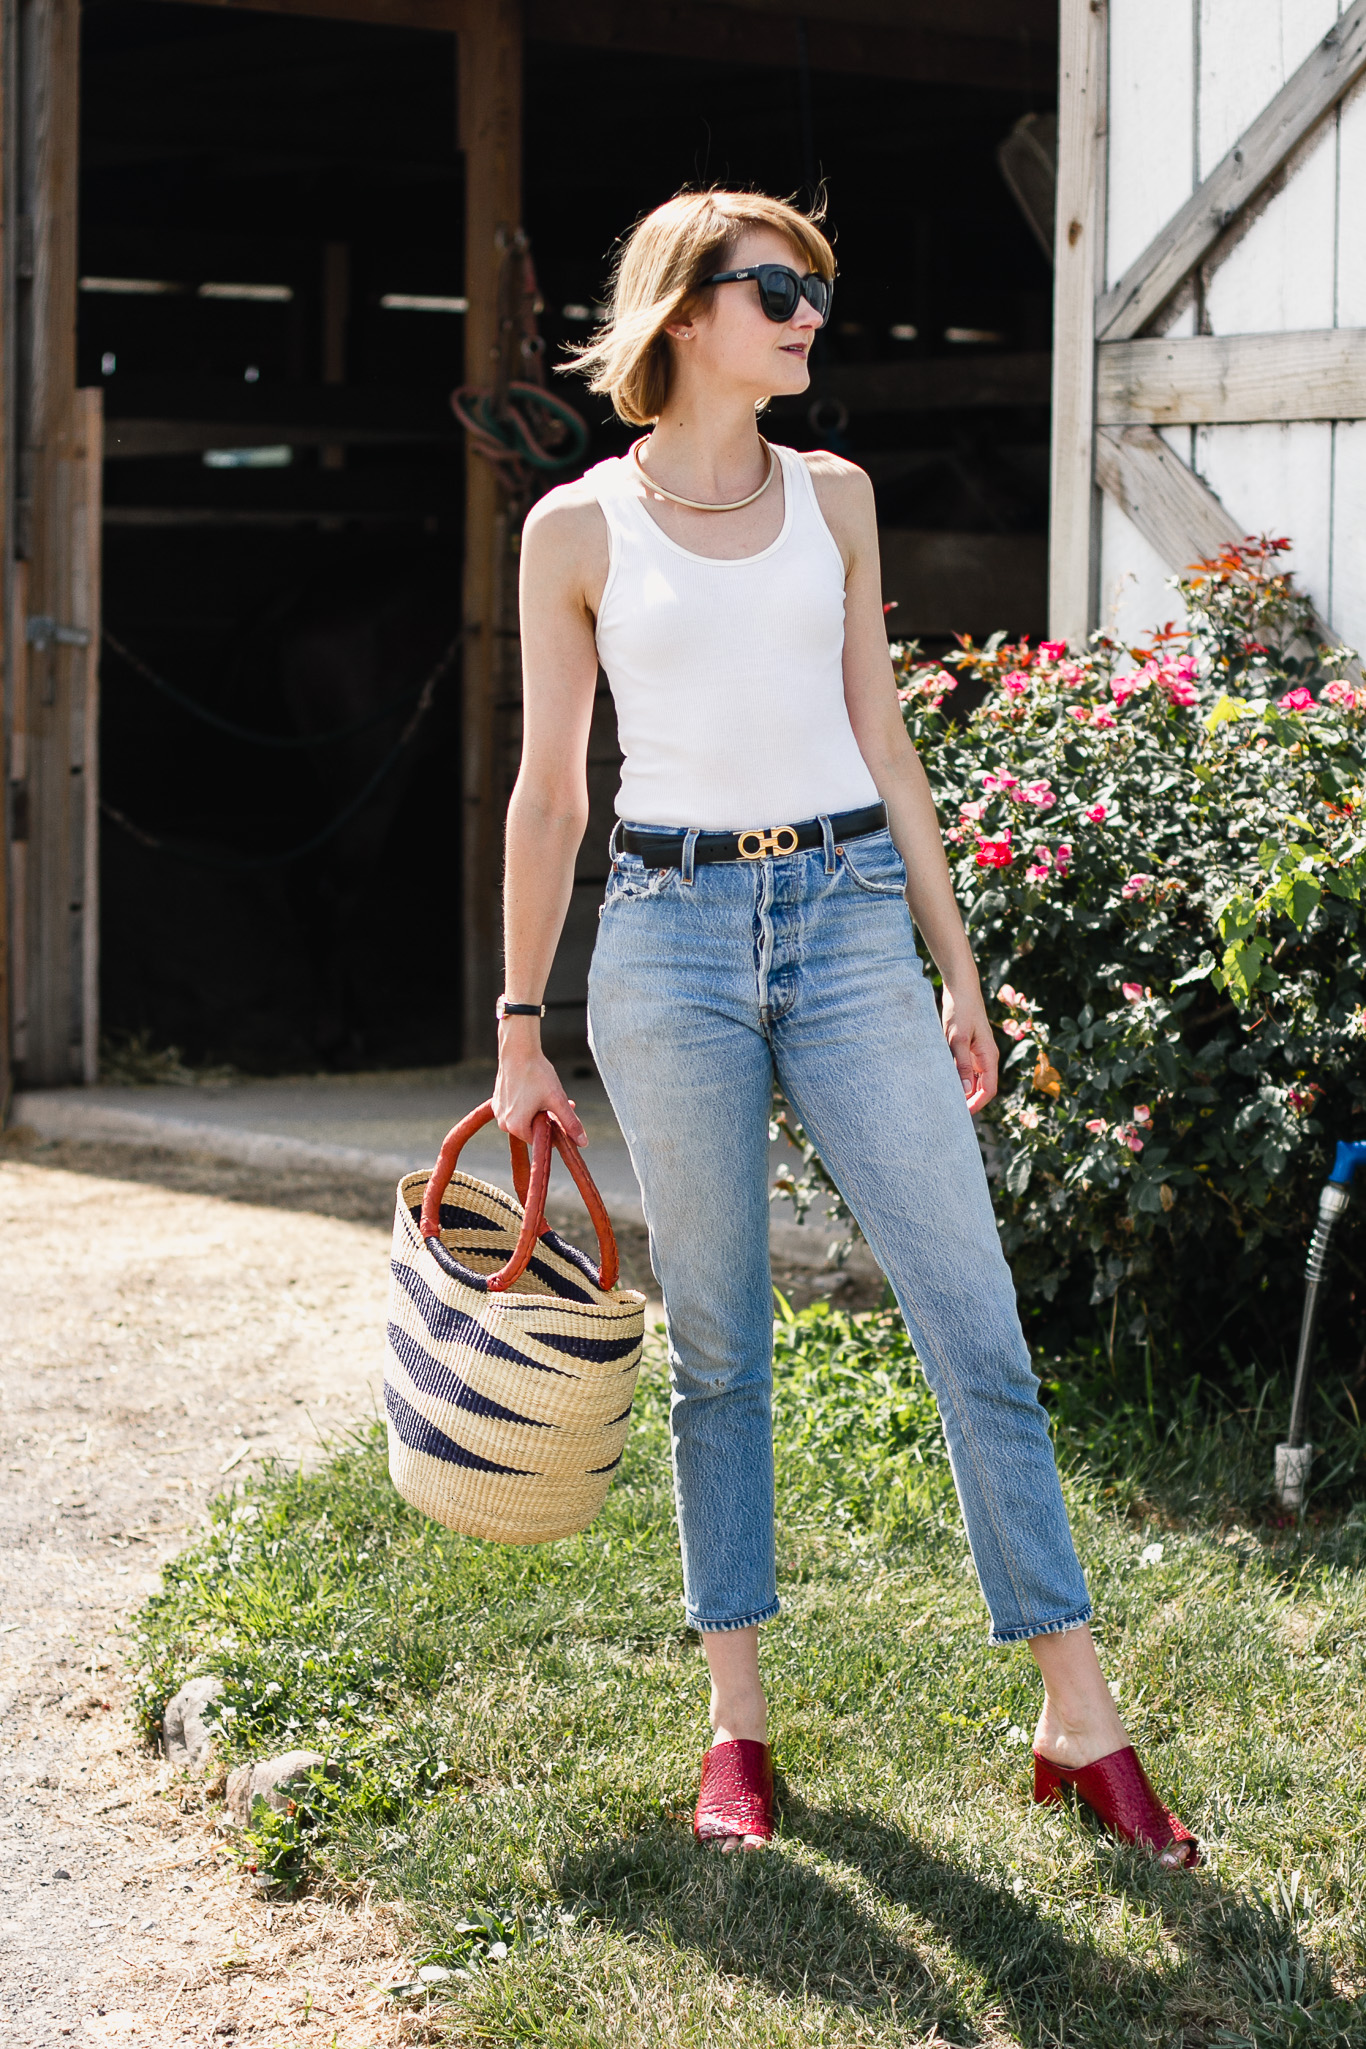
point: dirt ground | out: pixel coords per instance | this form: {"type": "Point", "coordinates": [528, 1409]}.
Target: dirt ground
{"type": "Point", "coordinates": [165, 1322]}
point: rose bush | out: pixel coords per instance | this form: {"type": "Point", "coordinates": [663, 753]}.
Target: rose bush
{"type": "Point", "coordinates": [1160, 853]}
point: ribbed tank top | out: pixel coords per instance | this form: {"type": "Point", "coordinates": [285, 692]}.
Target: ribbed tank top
{"type": "Point", "coordinates": [728, 676]}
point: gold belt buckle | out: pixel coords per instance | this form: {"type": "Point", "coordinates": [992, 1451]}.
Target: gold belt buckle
{"type": "Point", "coordinates": [772, 839]}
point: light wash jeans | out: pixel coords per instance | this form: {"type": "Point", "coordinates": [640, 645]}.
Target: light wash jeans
{"type": "Point", "coordinates": [704, 985]}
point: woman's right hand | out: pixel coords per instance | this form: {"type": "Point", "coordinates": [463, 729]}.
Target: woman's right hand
{"type": "Point", "coordinates": [528, 1084]}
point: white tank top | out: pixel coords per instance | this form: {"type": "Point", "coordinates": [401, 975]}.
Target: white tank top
{"type": "Point", "coordinates": [728, 676]}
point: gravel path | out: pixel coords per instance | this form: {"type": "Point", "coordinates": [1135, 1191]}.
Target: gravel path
{"type": "Point", "coordinates": [159, 1334]}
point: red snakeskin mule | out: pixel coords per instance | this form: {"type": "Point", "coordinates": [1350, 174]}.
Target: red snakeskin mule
{"type": "Point", "coordinates": [1117, 1789]}
{"type": "Point", "coordinates": [736, 1798]}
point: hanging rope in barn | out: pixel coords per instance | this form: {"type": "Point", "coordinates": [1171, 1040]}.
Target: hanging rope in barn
{"type": "Point", "coordinates": [245, 733]}
{"type": "Point", "coordinates": [523, 430]}
{"type": "Point", "coordinates": [247, 863]}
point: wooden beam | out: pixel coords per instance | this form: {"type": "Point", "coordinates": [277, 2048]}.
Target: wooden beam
{"type": "Point", "coordinates": [1173, 508]}
{"type": "Point", "coordinates": [1302, 103]}
{"type": "Point", "coordinates": [1078, 246]}
{"type": "Point", "coordinates": [491, 136]}
{"type": "Point", "coordinates": [53, 604]}
{"type": "Point", "coordinates": [1199, 379]}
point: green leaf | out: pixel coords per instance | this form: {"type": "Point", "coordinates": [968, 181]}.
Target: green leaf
{"type": "Point", "coordinates": [1227, 708]}
{"type": "Point", "coordinates": [1199, 973]}
{"type": "Point", "coordinates": [1018, 1173]}
{"type": "Point", "coordinates": [1242, 968]}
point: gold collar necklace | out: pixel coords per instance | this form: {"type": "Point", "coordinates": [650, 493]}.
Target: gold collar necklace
{"type": "Point", "coordinates": [694, 504]}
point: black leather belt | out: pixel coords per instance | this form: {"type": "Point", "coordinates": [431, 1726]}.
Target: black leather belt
{"type": "Point", "coordinates": [664, 848]}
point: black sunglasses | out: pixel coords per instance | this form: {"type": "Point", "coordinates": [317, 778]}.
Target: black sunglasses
{"type": "Point", "coordinates": [781, 290]}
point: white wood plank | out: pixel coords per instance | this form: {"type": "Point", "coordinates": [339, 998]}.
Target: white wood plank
{"type": "Point", "coordinates": [1348, 593]}
{"type": "Point", "coordinates": [1276, 480]}
{"type": "Point", "coordinates": [1248, 51]}
{"type": "Point", "coordinates": [1133, 578]}
{"type": "Point", "coordinates": [1279, 274]}
{"type": "Point", "coordinates": [1151, 123]}
{"type": "Point", "coordinates": [1294, 113]}
{"type": "Point", "coordinates": [1206, 378]}
{"type": "Point", "coordinates": [1351, 249]}
{"type": "Point", "coordinates": [1073, 504]}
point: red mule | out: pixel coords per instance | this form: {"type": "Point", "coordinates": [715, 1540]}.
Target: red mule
{"type": "Point", "coordinates": [736, 1798]}
{"type": "Point", "coordinates": [1116, 1788]}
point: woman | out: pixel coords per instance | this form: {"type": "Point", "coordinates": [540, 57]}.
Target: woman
{"type": "Point", "coordinates": [776, 837]}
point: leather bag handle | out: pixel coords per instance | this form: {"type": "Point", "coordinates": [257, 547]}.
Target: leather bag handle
{"type": "Point", "coordinates": [531, 1178]}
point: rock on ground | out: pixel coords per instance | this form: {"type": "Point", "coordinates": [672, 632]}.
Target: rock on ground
{"type": "Point", "coordinates": [186, 1738]}
{"type": "Point", "coordinates": [270, 1780]}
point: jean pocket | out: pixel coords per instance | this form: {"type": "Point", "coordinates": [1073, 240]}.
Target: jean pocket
{"type": "Point", "coordinates": [875, 865]}
{"type": "Point", "coordinates": [632, 882]}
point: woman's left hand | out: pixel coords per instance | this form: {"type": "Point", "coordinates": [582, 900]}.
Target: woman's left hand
{"type": "Point", "coordinates": [972, 1044]}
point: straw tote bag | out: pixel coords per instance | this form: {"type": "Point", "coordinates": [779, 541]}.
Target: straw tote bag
{"type": "Point", "coordinates": [512, 1361]}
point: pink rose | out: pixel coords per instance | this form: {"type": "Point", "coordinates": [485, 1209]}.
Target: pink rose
{"type": "Point", "coordinates": [1079, 713]}
{"type": "Point", "coordinates": [1029, 1117]}
{"type": "Point", "coordinates": [1039, 794]}
{"type": "Point", "coordinates": [1137, 885]}
{"type": "Point", "coordinates": [1297, 700]}
{"type": "Point", "coordinates": [1132, 991]}
{"type": "Point", "coordinates": [1131, 1139]}
{"type": "Point", "coordinates": [1122, 688]}
{"type": "Point", "coordinates": [1341, 694]}
{"type": "Point", "coordinates": [971, 811]}
{"type": "Point", "coordinates": [1053, 649]}
{"type": "Point", "coordinates": [1096, 814]}
{"type": "Point", "coordinates": [1014, 1029]}
{"type": "Point", "coordinates": [995, 853]}
{"type": "Point", "coordinates": [1098, 1125]}
{"type": "Point", "coordinates": [1037, 871]}
{"type": "Point", "coordinates": [1016, 683]}
{"type": "Point", "coordinates": [1063, 858]}
{"type": "Point", "coordinates": [1178, 690]}
{"type": "Point", "coordinates": [1142, 1114]}
{"type": "Point", "coordinates": [1004, 781]}
{"type": "Point", "coordinates": [1102, 718]}
{"type": "Point", "coordinates": [1011, 998]}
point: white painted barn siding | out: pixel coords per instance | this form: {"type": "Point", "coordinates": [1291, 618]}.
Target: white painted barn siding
{"type": "Point", "coordinates": [1185, 79]}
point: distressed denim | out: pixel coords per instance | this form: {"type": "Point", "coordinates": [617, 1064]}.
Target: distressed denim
{"type": "Point", "coordinates": [704, 985]}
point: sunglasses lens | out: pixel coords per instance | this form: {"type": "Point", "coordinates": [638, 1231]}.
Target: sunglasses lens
{"type": "Point", "coordinates": [779, 291]}
{"type": "Point", "coordinates": [820, 293]}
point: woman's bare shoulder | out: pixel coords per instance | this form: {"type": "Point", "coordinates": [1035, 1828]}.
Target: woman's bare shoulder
{"type": "Point", "coordinates": [566, 529]}
{"type": "Point", "coordinates": [844, 493]}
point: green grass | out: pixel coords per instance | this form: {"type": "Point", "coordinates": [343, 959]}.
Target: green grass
{"type": "Point", "coordinates": [518, 1734]}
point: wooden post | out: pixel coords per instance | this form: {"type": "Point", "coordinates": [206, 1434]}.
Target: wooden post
{"type": "Point", "coordinates": [1079, 243]}
{"type": "Point", "coordinates": [490, 57]}
{"type": "Point", "coordinates": [53, 627]}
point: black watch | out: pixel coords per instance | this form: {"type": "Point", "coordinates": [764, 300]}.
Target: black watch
{"type": "Point", "coordinates": [505, 1009]}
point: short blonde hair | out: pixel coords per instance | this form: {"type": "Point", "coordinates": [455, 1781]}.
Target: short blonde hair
{"type": "Point", "coordinates": [659, 268]}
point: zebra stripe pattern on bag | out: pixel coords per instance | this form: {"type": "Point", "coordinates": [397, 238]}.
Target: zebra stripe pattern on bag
{"type": "Point", "coordinates": [508, 1414]}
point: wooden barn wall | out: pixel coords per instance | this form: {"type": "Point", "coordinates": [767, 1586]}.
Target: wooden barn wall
{"type": "Point", "coordinates": [1186, 77]}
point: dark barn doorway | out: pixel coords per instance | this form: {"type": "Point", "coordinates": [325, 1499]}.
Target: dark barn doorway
{"type": "Point", "coordinates": [284, 482]}
{"type": "Point", "coordinates": [270, 277]}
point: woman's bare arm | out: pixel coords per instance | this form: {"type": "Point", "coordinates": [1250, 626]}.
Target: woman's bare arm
{"type": "Point", "coordinates": [846, 499]}
{"type": "Point", "coordinates": [563, 569]}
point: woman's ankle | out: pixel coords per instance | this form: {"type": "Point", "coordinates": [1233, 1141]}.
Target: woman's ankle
{"type": "Point", "coordinates": [739, 1718]}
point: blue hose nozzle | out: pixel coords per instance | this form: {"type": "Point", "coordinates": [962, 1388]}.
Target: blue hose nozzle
{"type": "Point", "coordinates": [1350, 1155]}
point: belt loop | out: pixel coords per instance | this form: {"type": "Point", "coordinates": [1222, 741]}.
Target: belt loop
{"type": "Point", "coordinates": [689, 849]}
{"type": "Point", "coordinates": [612, 848]}
{"type": "Point", "coordinates": [828, 842]}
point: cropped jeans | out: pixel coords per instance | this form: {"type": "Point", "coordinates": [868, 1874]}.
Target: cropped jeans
{"type": "Point", "coordinates": [706, 982]}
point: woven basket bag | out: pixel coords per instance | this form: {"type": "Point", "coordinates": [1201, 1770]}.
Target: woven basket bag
{"type": "Point", "coordinates": [512, 1361]}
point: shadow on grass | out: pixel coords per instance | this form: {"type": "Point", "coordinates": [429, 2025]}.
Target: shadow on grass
{"type": "Point", "coordinates": [1240, 1974]}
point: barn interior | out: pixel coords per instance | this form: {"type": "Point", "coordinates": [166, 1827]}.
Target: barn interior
{"type": "Point", "coordinates": [272, 292]}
